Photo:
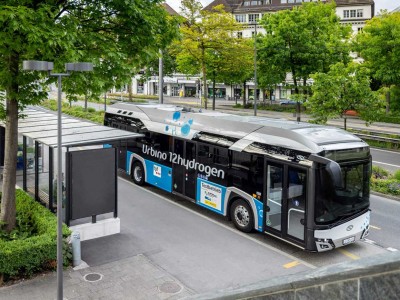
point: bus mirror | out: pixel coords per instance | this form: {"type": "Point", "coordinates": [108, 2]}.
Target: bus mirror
{"type": "Point", "coordinates": [267, 209]}
{"type": "Point", "coordinates": [335, 173]}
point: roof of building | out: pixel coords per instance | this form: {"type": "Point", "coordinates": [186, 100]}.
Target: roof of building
{"type": "Point", "coordinates": [187, 123]}
{"type": "Point", "coordinates": [169, 9]}
{"type": "Point", "coordinates": [41, 125]}
{"type": "Point", "coordinates": [236, 6]}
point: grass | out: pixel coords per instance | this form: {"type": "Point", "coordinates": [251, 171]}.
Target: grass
{"type": "Point", "coordinates": [384, 182]}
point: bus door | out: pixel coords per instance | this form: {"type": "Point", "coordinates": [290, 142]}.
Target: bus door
{"type": "Point", "coordinates": [285, 201]}
{"type": "Point", "coordinates": [183, 177]}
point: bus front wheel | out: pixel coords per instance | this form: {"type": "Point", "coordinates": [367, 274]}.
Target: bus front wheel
{"type": "Point", "coordinates": [138, 173]}
{"type": "Point", "coordinates": [242, 216]}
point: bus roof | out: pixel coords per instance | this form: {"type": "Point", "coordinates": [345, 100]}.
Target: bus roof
{"type": "Point", "coordinates": [299, 136]}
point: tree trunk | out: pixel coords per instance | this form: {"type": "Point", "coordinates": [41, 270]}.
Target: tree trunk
{"type": "Point", "coordinates": [244, 94]}
{"type": "Point", "coordinates": [130, 91]}
{"type": "Point", "coordinates": [213, 104]}
{"type": "Point", "coordinates": [86, 98]}
{"type": "Point", "coordinates": [205, 96]}
{"type": "Point", "coordinates": [8, 210]}
{"type": "Point", "coordinates": [388, 102]}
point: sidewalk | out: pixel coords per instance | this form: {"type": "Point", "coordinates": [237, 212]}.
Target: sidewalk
{"type": "Point", "coordinates": [131, 278]}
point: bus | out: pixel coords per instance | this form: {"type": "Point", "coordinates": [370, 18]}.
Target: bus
{"type": "Point", "coordinates": [302, 183]}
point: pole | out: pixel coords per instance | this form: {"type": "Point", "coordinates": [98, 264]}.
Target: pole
{"type": "Point", "coordinates": [59, 199]}
{"type": "Point", "coordinates": [160, 79]}
{"type": "Point", "coordinates": [105, 101]}
{"type": "Point", "coordinates": [255, 68]}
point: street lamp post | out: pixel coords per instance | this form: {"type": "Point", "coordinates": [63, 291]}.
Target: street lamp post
{"type": "Point", "coordinates": [33, 65]}
{"type": "Point", "coordinates": [255, 68]}
{"type": "Point", "coordinates": [161, 79]}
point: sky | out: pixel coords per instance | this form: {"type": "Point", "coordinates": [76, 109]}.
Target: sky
{"type": "Point", "coordinates": [379, 4]}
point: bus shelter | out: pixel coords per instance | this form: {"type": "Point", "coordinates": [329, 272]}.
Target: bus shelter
{"type": "Point", "coordinates": [89, 163]}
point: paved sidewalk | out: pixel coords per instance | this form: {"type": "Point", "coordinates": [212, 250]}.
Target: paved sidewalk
{"type": "Point", "coordinates": [131, 278]}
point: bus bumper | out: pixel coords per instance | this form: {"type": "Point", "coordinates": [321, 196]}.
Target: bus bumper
{"type": "Point", "coordinates": [343, 234]}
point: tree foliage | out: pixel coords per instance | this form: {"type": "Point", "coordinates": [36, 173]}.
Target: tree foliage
{"type": "Point", "coordinates": [114, 35]}
{"type": "Point", "coordinates": [379, 45]}
{"type": "Point", "coordinates": [343, 88]}
{"type": "Point", "coordinates": [203, 35]}
{"type": "Point", "coordinates": [301, 41]}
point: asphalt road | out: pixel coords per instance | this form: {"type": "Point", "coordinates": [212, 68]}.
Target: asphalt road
{"type": "Point", "coordinates": [389, 160]}
{"type": "Point", "coordinates": [202, 249]}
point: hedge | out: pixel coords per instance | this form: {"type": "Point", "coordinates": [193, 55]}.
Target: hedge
{"type": "Point", "coordinates": [23, 257]}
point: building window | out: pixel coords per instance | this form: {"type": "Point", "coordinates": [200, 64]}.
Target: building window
{"type": "Point", "coordinates": [240, 18]}
{"type": "Point", "coordinates": [290, 1]}
{"type": "Point", "coordinates": [284, 1]}
{"type": "Point", "coordinates": [239, 34]}
{"type": "Point", "coordinates": [253, 18]}
{"type": "Point", "coordinates": [353, 13]}
{"type": "Point", "coordinates": [360, 13]}
{"type": "Point", "coordinates": [359, 29]}
{"type": "Point", "coordinates": [299, 1]}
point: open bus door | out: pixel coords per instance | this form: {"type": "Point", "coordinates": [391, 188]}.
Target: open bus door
{"type": "Point", "coordinates": [183, 179]}
{"type": "Point", "coordinates": [285, 202]}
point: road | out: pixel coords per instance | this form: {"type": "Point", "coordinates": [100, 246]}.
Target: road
{"type": "Point", "coordinates": [202, 249]}
{"type": "Point", "coordinates": [389, 160]}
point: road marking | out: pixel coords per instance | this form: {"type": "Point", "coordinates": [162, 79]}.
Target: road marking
{"type": "Point", "coordinates": [291, 264]}
{"type": "Point", "coordinates": [382, 150]}
{"type": "Point", "coordinates": [374, 227]}
{"type": "Point", "coordinates": [382, 163]}
{"type": "Point", "coordinates": [391, 249]}
{"type": "Point", "coordinates": [224, 226]}
{"type": "Point", "coordinates": [348, 254]}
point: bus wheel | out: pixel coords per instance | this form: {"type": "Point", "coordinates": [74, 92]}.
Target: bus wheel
{"type": "Point", "coordinates": [242, 216]}
{"type": "Point", "coordinates": [138, 173]}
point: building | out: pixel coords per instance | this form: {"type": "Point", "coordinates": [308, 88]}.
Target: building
{"type": "Point", "coordinates": [248, 12]}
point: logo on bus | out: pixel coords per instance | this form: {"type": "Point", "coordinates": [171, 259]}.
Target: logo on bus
{"type": "Point", "coordinates": [188, 164]}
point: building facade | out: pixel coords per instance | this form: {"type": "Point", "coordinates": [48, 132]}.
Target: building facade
{"type": "Point", "coordinates": [249, 12]}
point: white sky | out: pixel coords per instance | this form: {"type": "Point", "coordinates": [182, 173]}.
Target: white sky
{"type": "Point", "coordinates": [379, 4]}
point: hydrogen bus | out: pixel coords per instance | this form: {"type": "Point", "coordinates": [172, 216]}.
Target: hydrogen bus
{"type": "Point", "coordinates": [303, 183]}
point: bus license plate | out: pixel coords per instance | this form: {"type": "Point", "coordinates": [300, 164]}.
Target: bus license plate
{"type": "Point", "coordinates": [349, 240]}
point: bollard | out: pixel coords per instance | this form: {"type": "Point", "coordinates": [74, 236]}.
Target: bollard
{"type": "Point", "coordinates": [76, 248]}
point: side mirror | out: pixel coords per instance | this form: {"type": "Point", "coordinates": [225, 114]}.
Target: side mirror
{"type": "Point", "coordinates": [267, 209]}
{"type": "Point", "coordinates": [302, 222]}
{"type": "Point", "coordinates": [335, 172]}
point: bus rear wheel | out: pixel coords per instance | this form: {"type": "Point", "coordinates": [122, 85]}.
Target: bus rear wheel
{"type": "Point", "coordinates": [138, 173]}
{"type": "Point", "coordinates": [242, 216]}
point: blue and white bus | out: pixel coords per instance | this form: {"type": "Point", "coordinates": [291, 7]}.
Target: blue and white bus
{"type": "Point", "coordinates": [305, 184]}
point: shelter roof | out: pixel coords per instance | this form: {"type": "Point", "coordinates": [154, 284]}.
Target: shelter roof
{"type": "Point", "coordinates": [41, 125]}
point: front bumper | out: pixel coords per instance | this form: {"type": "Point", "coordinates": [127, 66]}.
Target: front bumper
{"type": "Point", "coordinates": [343, 234]}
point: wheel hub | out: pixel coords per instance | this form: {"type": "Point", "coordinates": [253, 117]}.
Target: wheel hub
{"type": "Point", "coordinates": [242, 215]}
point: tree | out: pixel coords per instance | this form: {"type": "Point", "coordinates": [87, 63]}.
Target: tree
{"type": "Point", "coordinates": [379, 45]}
{"type": "Point", "coordinates": [301, 41]}
{"type": "Point", "coordinates": [343, 88]}
{"type": "Point", "coordinates": [64, 31]}
{"type": "Point", "coordinates": [203, 33]}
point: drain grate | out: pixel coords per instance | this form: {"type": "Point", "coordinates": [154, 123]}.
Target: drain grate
{"type": "Point", "coordinates": [170, 287]}
{"type": "Point", "coordinates": [93, 277]}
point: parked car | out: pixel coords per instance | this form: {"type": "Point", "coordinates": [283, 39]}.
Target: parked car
{"type": "Point", "coordinates": [288, 102]}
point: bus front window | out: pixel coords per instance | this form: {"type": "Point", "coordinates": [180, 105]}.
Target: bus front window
{"type": "Point", "coordinates": [336, 203]}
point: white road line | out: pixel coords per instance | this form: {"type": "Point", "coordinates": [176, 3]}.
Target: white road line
{"type": "Point", "coordinates": [387, 151]}
{"type": "Point", "coordinates": [224, 226]}
{"type": "Point", "coordinates": [392, 249]}
{"type": "Point", "coordinates": [382, 163]}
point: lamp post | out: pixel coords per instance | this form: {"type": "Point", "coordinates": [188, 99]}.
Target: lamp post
{"type": "Point", "coordinates": [160, 79]}
{"type": "Point", "coordinates": [33, 65]}
{"type": "Point", "coordinates": [255, 67]}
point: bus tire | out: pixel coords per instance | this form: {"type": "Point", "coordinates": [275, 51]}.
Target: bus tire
{"type": "Point", "coordinates": [138, 173]}
{"type": "Point", "coordinates": [242, 215]}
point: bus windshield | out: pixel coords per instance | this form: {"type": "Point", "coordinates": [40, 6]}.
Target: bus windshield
{"type": "Point", "coordinates": [334, 204]}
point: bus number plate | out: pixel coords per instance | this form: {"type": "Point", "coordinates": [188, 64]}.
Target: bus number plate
{"type": "Point", "coordinates": [349, 240]}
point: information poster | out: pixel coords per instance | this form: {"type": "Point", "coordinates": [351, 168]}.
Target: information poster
{"type": "Point", "coordinates": [211, 195]}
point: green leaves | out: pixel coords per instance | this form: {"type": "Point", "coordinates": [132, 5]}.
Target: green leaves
{"type": "Point", "coordinates": [301, 41]}
{"type": "Point", "coordinates": [344, 87]}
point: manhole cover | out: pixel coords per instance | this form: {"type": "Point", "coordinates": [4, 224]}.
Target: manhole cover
{"type": "Point", "coordinates": [93, 277]}
{"type": "Point", "coordinates": [170, 287]}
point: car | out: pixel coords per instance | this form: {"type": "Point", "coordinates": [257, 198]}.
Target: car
{"type": "Point", "coordinates": [288, 102]}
